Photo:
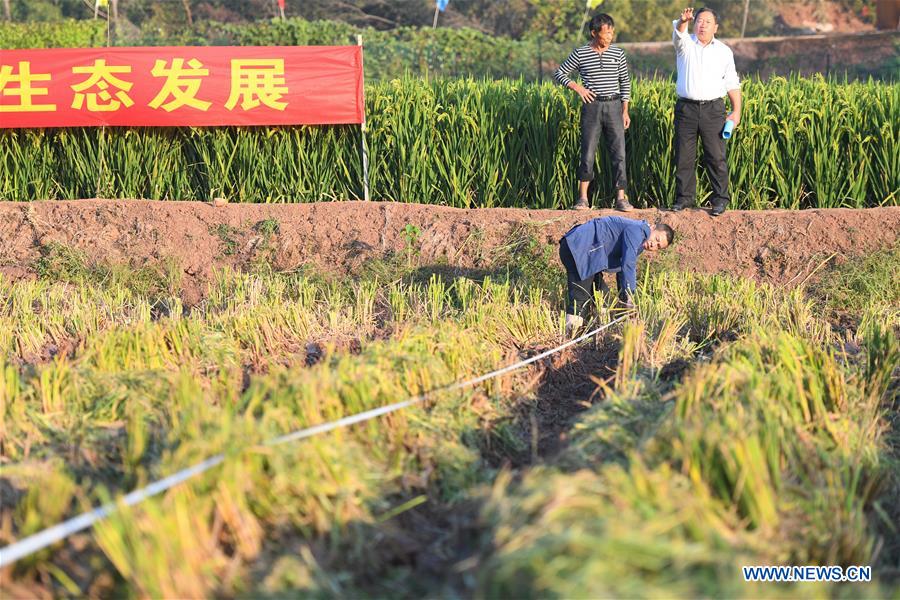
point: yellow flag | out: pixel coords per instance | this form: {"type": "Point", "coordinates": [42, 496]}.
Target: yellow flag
{"type": "Point", "coordinates": [105, 3]}
{"type": "Point", "coordinates": [594, 3]}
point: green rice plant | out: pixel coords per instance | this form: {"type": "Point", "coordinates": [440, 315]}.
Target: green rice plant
{"type": "Point", "coordinates": [802, 143]}
{"type": "Point", "coordinates": [714, 307]}
{"type": "Point", "coordinates": [882, 359]}
{"type": "Point", "coordinates": [462, 290]}
{"type": "Point", "coordinates": [649, 144]}
{"type": "Point", "coordinates": [49, 496]}
{"type": "Point", "coordinates": [399, 303]}
{"type": "Point", "coordinates": [10, 395]}
{"type": "Point", "coordinates": [196, 556]}
{"type": "Point", "coordinates": [613, 430]}
{"type": "Point", "coordinates": [869, 281]}
{"type": "Point", "coordinates": [531, 321]}
{"type": "Point", "coordinates": [55, 387]}
{"type": "Point", "coordinates": [27, 161]}
{"type": "Point", "coordinates": [435, 297]}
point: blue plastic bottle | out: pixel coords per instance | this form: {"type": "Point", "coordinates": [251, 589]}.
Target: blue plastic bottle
{"type": "Point", "coordinates": [729, 127]}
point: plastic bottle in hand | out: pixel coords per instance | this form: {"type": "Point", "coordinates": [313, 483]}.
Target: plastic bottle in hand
{"type": "Point", "coordinates": [728, 129]}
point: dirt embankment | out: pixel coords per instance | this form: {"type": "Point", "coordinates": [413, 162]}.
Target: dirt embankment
{"type": "Point", "coordinates": [777, 246]}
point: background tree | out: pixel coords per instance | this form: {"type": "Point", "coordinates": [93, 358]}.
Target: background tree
{"type": "Point", "coordinates": [549, 20]}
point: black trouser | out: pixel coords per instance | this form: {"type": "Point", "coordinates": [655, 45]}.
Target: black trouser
{"type": "Point", "coordinates": [580, 299]}
{"type": "Point", "coordinates": [603, 116]}
{"type": "Point", "coordinates": [707, 120]}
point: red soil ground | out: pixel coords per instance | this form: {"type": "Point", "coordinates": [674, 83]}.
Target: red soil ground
{"type": "Point", "coordinates": [776, 246]}
{"type": "Point", "coordinates": [826, 17]}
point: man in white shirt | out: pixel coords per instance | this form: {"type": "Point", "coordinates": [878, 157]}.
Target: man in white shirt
{"type": "Point", "coordinates": [706, 73]}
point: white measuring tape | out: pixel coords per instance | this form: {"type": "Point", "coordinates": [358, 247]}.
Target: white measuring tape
{"type": "Point", "coordinates": [10, 554]}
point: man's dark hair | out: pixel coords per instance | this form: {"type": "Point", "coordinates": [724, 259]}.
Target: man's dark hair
{"type": "Point", "coordinates": [710, 11]}
{"type": "Point", "coordinates": [670, 233]}
{"type": "Point", "coordinates": [600, 20]}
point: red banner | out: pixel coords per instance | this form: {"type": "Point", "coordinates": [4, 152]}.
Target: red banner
{"type": "Point", "coordinates": [169, 86]}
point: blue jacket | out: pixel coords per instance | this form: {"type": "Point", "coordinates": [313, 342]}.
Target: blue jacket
{"type": "Point", "coordinates": [608, 244]}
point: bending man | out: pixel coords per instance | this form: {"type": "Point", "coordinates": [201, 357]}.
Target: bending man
{"type": "Point", "coordinates": [607, 244]}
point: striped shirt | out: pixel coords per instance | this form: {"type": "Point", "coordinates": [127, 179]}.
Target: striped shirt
{"type": "Point", "coordinates": [604, 73]}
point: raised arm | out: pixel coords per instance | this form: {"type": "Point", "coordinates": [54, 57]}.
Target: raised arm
{"type": "Point", "coordinates": [679, 28]}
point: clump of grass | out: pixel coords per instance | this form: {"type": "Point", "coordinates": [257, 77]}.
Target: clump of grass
{"type": "Point", "coordinates": [227, 237]}
{"type": "Point", "coordinates": [61, 263]}
{"type": "Point", "coordinates": [268, 228]}
{"type": "Point", "coordinates": [860, 283]}
{"type": "Point", "coordinates": [529, 260]}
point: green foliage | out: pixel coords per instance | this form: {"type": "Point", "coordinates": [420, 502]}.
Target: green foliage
{"type": "Point", "coordinates": [551, 33]}
{"type": "Point", "coordinates": [448, 52]}
{"type": "Point", "coordinates": [643, 20]}
{"type": "Point", "coordinates": [67, 34]}
{"type": "Point", "coordinates": [411, 235]}
{"type": "Point", "coordinates": [267, 228]}
{"type": "Point", "coordinates": [636, 20]}
{"type": "Point", "coordinates": [411, 247]}
{"type": "Point", "coordinates": [863, 282]}
{"type": "Point", "coordinates": [803, 143]}
{"type": "Point", "coordinates": [48, 10]}
{"type": "Point", "coordinates": [226, 234]}
{"type": "Point", "coordinates": [61, 263]}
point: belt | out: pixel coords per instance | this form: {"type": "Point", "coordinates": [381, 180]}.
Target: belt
{"type": "Point", "coordinates": [701, 102]}
{"type": "Point", "coordinates": [607, 98]}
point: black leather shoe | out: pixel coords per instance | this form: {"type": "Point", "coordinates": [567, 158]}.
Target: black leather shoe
{"type": "Point", "coordinates": [681, 205]}
{"type": "Point", "coordinates": [717, 209]}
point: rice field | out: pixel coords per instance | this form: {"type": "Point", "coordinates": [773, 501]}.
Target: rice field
{"type": "Point", "coordinates": [802, 143]}
{"type": "Point", "coordinates": [727, 423]}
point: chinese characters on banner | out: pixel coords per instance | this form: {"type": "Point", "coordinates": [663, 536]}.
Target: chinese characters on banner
{"type": "Point", "coordinates": [175, 86]}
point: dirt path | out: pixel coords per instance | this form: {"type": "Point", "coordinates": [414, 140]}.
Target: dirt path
{"type": "Point", "coordinates": [778, 246]}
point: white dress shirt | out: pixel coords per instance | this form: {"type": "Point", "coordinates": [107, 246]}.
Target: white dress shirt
{"type": "Point", "coordinates": [704, 72]}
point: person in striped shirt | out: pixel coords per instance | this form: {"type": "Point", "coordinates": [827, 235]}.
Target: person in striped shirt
{"type": "Point", "coordinates": [605, 91]}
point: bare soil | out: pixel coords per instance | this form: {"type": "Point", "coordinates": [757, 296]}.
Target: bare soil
{"type": "Point", "coordinates": [340, 237]}
{"type": "Point", "coordinates": [822, 17]}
